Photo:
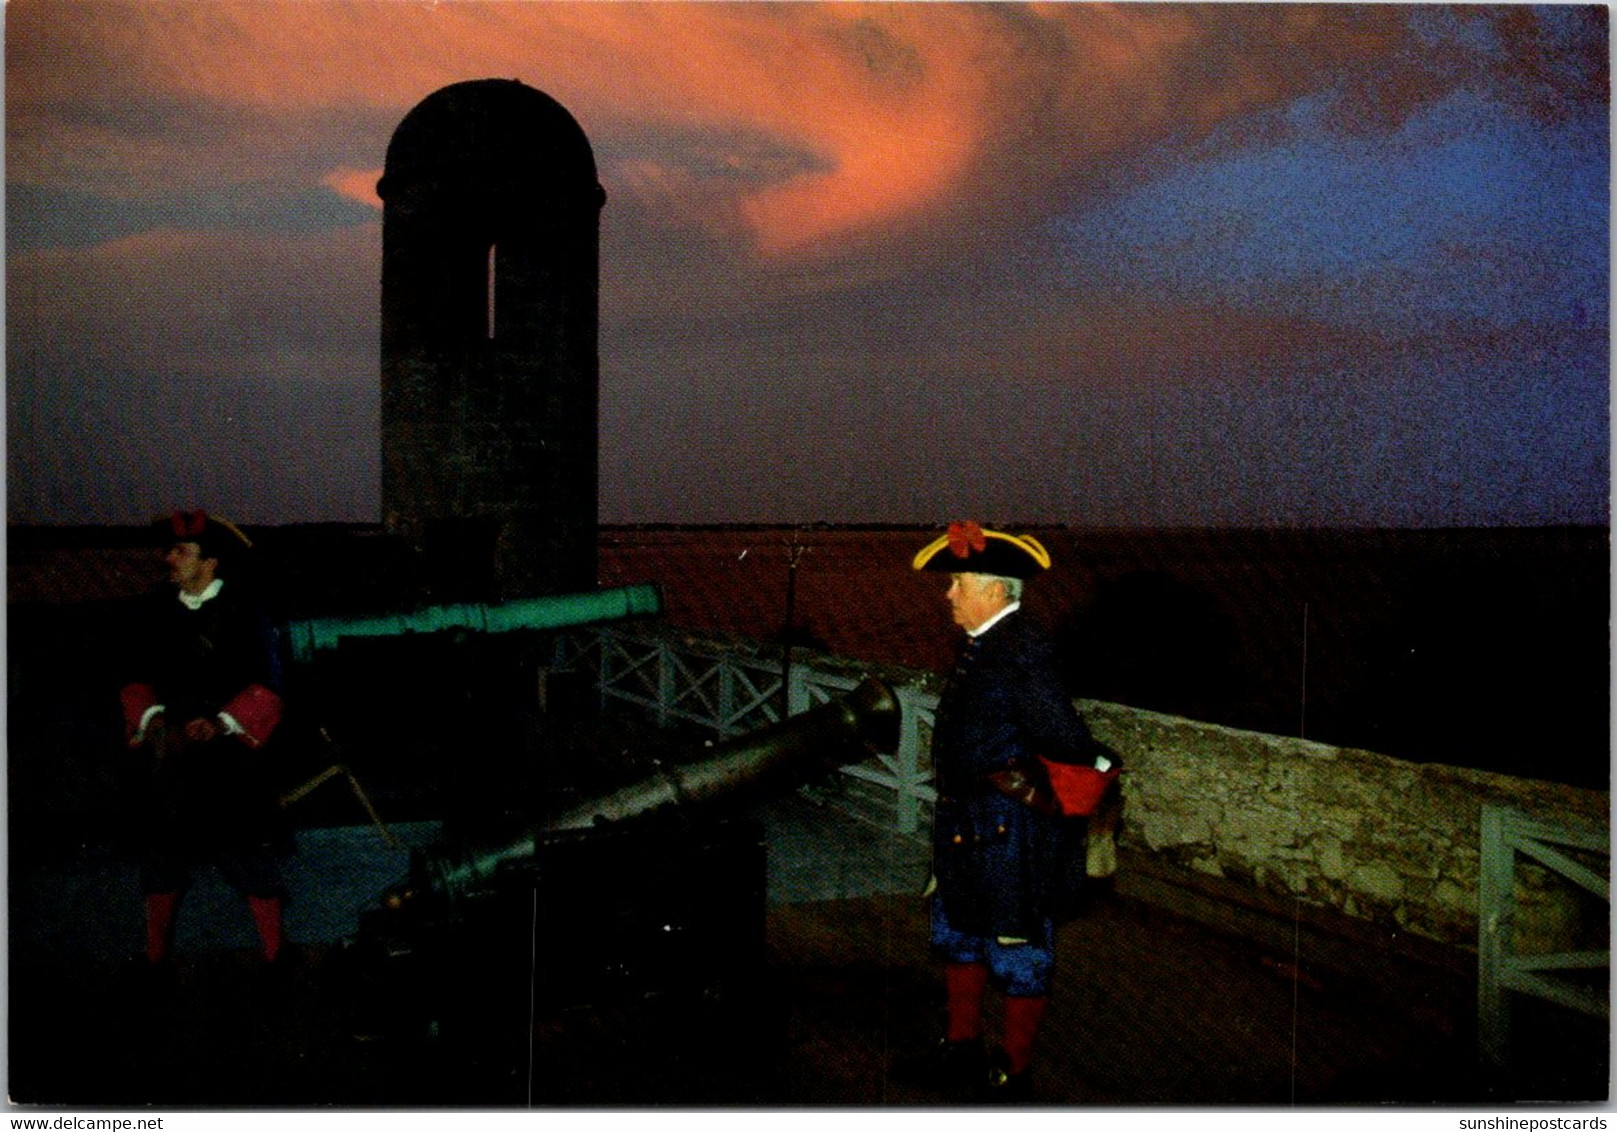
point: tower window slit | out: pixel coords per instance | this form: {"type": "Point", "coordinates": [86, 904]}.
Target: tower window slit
{"type": "Point", "coordinates": [493, 259]}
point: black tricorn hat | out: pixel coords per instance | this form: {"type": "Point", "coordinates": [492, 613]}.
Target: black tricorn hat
{"type": "Point", "coordinates": [216, 536]}
{"type": "Point", "coordinates": [972, 549]}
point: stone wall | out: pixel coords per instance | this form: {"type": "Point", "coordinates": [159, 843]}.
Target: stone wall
{"type": "Point", "coordinates": [1359, 844]}
{"type": "Point", "coordinates": [1372, 837]}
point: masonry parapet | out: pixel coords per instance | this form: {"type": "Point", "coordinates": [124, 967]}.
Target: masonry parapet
{"type": "Point", "coordinates": [1287, 824]}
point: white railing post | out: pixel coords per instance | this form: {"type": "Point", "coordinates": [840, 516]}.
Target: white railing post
{"type": "Point", "coordinates": [797, 690]}
{"type": "Point", "coordinates": [666, 692]}
{"type": "Point", "coordinates": [912, 705]}
{"type": "Point", "coordinates": [1496, 907]}
{"type": "Point", "coordinates": [727, 677]}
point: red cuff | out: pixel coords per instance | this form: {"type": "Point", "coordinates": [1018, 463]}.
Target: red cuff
{"type": "Point", "coordinates": [137, 698]}
{"type": "Point", "coordinates": [258, 710]}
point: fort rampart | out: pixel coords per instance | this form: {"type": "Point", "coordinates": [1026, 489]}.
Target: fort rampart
{"type": "Point", "coordinates": [1381, 850]}
{"type": "Point", "coordinates": [1375, 838]}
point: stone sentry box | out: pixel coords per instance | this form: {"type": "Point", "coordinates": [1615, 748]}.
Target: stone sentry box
{"type": "Point", "coordinates": [490, 371]}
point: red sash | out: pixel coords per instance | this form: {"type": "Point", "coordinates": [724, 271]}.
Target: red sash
{"type": "Point", "coordinates": [1078, 789]}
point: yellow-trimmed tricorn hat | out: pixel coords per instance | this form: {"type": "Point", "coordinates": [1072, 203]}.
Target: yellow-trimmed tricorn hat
{"type": "Point", "coordinates": [968, 548]}
{"type": "Point", "coordinates": [216, 536]}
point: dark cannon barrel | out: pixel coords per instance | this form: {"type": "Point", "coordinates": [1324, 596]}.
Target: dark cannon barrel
{"type": "Point", "coordinates": [746, 769]}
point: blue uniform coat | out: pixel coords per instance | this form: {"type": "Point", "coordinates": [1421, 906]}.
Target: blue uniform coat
{"type": "Point", "coordinates": [996, 858]}
{"type": "Point", "coordinates": [196, 800]}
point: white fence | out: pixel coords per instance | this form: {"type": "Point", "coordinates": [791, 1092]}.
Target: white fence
{"type": "Point", "coordinates": [682, 679]}
{"type": "Point", "coordinates": [1507, 836]}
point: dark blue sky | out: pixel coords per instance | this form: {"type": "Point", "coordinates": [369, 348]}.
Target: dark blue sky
{"type": "Point", "coordinates": [1151, 264]}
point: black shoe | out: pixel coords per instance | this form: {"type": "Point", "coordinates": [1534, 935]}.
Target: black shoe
{"type": "Point", "coordinates": [1001, 1086]}
{"type": "Point", "coordinates": [145, 974]}
{"type": "Point", "coordinates": [146, 987]}
{"type": "Point", "coordinates": [286, 967]}
{"type": "Point", "coordinates": [955, 1069]}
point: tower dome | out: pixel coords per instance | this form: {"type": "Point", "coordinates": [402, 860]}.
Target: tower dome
{"type": "Point", "coordinates": [489, 131]}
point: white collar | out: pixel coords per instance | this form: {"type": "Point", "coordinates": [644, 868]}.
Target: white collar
{"type": "Point", "coordinates": [196, 601]}
{"type": "Point", "coordinates": [994, 620]}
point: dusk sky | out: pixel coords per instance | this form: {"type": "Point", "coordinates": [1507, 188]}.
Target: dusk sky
{"type": "Point", "coordinates": [1070, 264]}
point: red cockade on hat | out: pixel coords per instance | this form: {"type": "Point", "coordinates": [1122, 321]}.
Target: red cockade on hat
{"type": "Point", "coordinates": [188, 524]}
{"type": "Point", "coordinates": [965, 538]}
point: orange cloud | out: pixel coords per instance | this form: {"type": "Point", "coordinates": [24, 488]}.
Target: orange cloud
{"type": "Point", "coordinates": [890, 129]}
{"type": "Point", "coordinates": [357, 185]}
{"type": "Point", "coordinates": [904, 114]}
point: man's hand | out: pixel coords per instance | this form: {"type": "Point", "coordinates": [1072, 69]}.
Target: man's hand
{"type": "Point", "coordinates": [201, 730]}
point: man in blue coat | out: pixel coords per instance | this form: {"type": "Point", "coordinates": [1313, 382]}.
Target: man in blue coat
{"type": "Point", "coordinates": [202, 699]}
{"type": "Point", "coordinates": [998, 833]}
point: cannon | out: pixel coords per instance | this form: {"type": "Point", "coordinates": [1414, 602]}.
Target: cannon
{"type": "Point", "coordinates": [624, 932]}
{"type": "Point", "coordinates": [739, 771]}
{"type": "Point", "coordinates": [310, 635]}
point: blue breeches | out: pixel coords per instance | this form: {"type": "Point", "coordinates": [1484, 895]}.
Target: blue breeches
{"type": "Point", "coordinates": [1019, 969]}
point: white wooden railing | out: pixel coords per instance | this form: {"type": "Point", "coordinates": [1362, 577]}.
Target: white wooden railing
{"type": "Point", "coordinates": [729, 689]}
{"type": "Point", "coordinates": [1507, 835]}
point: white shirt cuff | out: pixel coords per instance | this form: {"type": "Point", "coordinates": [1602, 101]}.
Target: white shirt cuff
{"type": "Point", "coordinates": [145, 719]}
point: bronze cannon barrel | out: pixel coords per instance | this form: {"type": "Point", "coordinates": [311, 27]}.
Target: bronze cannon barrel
{"type": "Point", "coordinates": [311, 635]}
{"type": "Point", "coordinates": [738, 771]}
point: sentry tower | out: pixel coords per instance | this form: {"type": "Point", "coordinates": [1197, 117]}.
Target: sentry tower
{"type": "Point", "coordinates": [490, 291]}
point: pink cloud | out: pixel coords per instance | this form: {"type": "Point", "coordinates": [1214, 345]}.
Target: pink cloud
{"type": "Point", "coordinates": [935, 116]}
{"type": "Point", "coordinates": [358, 185]}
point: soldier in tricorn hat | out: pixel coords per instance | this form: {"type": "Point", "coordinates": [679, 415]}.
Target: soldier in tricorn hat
{"type": "Point", "coordinates": [202, 697]}
{"type": "Point", "coordinates": [1004, 725]}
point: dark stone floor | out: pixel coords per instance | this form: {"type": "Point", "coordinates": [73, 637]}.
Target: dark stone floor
{"type": "Point", "coordinates": [1151, 1009]}
{"type": "Point", "coordinates": [1152, 1006]}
